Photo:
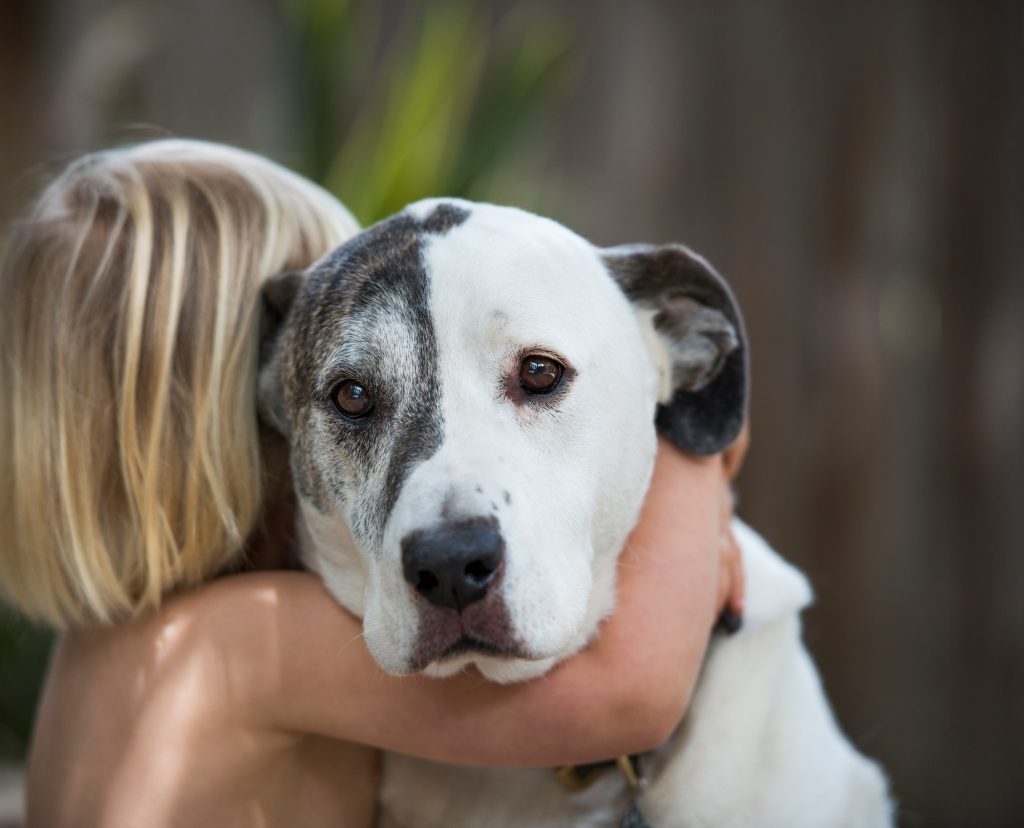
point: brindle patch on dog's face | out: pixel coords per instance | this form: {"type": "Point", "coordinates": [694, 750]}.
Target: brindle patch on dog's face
{"type": "Point", "coordinates": [365, 315]}
{"type": "Point", "coordinates": [436, 313]}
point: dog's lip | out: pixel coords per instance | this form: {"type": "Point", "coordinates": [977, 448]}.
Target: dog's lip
{"type": "Point", "coordinates": [470, 644]}
{"type": "Point", "coordinates": [482, 629]}
{"type": "Point", "coordinates": [467, 646]}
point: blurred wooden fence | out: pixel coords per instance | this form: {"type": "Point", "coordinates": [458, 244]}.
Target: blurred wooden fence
{"type": "Point", "coordinates": [857, 171]}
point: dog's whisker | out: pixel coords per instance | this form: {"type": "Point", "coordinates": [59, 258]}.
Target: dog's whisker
{"type": "Point", "coordinates": [357, 636]}
{"type": "Point", "coordinates": [350, 642]}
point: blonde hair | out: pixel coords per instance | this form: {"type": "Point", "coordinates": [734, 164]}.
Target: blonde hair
{"type": "Point", "coordinates": [129, 308]}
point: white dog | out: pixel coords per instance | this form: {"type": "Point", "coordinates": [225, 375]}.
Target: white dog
{"type": "Point", "coordinates": [470, 393]}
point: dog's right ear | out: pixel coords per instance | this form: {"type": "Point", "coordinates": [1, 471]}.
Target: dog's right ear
{"type": "Point", "coordinates": [277, 297]}
{"type": "Point", "coordinates": [697, 339]}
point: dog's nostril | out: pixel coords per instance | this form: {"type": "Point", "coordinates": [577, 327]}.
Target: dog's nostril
{"type": "Point", "coordinates": [479, 571]}
{"type": "Point", "coordinates": [425, 581]}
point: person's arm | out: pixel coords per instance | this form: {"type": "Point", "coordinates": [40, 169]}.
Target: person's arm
{"type": "Point", "coordinates": [200, 706]}
{"type": "Point", "coordinates": [289, 658]}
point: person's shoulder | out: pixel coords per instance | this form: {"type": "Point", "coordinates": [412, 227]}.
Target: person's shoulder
{"type": "Point", "coordinates": [141, 711]}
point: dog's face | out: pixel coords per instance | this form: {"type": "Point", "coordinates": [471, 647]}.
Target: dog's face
{"type": "Point", "coordinates": [470, 394]}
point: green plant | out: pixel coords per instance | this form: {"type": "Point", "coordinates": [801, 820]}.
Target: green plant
{"type": "Point", "coordinates": [23, 652]}
{"type": "Point", "coordinates": [444, 113]}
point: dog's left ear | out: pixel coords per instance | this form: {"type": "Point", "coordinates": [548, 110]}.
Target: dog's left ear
{"type": "Point", "coordinates": [698, 341]}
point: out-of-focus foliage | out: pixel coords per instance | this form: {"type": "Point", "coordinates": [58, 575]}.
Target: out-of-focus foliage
{"type": "Point", "coordinates": [23, 650]}
{"type": "Point", "coordinates": [442, 112]}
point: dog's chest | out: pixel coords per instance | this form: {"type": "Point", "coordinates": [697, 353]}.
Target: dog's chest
{"type": "Point", "coordinates": [419, 794]}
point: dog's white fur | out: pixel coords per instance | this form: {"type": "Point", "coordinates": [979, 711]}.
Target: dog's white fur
{"type": "Point", "coordinates": [759, 746]}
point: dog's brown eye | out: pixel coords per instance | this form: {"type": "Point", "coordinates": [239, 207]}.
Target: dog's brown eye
{"type": "Point", "coordinates": [540, 374]}
{"type": "Point", "coordinates": [352, 399]}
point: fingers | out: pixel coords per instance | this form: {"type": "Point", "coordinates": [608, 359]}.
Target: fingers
{"type": "Point", "coordinates": [732, 457]}
{"type": "Point", "coordinates": [733, 562]}
{"type": "Point", "coordinates": [731, 582]}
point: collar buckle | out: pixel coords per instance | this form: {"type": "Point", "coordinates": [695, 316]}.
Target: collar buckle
{"type": "Point", "coordinates": [580, 777]}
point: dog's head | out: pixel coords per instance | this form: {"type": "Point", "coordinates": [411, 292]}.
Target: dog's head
{"type": "Point", "coordinates": [470, 393]}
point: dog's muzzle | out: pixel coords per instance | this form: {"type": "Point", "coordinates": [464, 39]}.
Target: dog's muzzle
{"type": "Point", "coordinates": [455, 570]}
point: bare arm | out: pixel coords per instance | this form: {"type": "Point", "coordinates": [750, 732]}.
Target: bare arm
{"type": "Point", "coordinates": [223, 694]}
{"type": "Point", "coordinates": [298, 663]}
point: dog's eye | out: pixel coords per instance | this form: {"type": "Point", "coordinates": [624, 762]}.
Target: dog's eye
{"type": "Point", "coordinates": [540, 374]}
{"type": "Point", "coordinates": [352, 399]}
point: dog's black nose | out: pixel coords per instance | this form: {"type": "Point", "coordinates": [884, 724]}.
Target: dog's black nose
{"type": "Point", "coordinates": [455, 564]}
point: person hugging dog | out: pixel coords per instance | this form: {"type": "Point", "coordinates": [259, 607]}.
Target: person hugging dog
{"type": "Point", "coordinates": [135, 472]}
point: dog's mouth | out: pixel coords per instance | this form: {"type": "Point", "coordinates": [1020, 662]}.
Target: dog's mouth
{"type": "Point", "coordinates": [469, 644]}
{"type": "Point", "coordinates": [482, 629]}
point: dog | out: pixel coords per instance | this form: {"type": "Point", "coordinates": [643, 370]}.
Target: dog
{"type": "Point", "coordinates": [471, 395]}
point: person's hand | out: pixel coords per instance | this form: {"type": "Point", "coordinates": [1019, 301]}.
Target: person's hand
{"type": "Point", "coordinates": [731, 582]}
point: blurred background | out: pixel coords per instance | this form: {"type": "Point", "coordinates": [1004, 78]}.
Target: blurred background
{"type": "Point", "coordinates": [855, 169]}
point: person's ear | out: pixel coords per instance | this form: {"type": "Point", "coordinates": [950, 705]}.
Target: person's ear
{"type": "Point", "coordinates": [698, 342]}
